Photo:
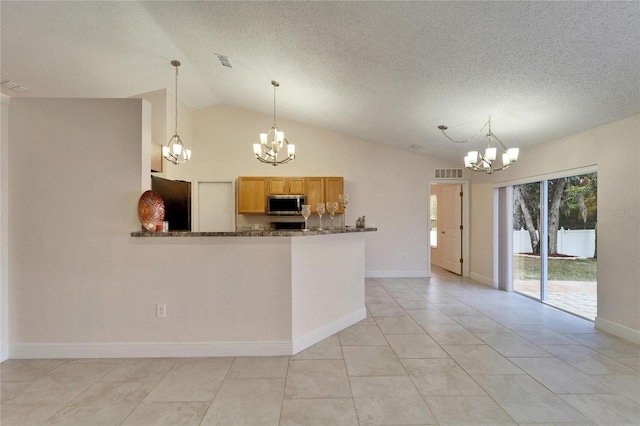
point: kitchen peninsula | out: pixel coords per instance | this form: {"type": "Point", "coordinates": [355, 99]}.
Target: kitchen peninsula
{"type": "Point", "coordinates": [269, 292]}
{"type": "Point", "coordinates": [252, 233]}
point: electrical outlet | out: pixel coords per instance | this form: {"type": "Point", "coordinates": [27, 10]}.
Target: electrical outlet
{"type": "Point", "coordinates": [161, 311]}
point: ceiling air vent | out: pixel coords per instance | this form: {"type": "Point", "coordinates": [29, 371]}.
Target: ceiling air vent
{"type": "Point", "coordinates": [448, 173]}
{"type": "Point", "coordinates": [224, 60]}
{"type": "Point", "coordinates": [16, 87]}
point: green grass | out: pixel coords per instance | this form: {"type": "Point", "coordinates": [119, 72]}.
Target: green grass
{"type": "Point", "coordinates": [528, 268]}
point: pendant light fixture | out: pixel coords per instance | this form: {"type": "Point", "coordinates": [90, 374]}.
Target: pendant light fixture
{"type": "Point", "coordinates": [270, 147]}
{"type": "Point", "coordinates": [485, 162]}
{"type": "Point", "coordinates": [175, 151]}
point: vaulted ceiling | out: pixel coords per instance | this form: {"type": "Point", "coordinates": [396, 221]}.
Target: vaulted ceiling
{"type": "Point", "coordinates": [388, 72]}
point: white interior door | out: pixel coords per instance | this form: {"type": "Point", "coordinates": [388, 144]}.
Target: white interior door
{"type": "Point", "coordinates": [216, 206]}
{"type": "Point", "coordinates": [451, 232]}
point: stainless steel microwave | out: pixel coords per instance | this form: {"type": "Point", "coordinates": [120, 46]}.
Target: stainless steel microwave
{"type": "Point", "coordinates": [285, 205]}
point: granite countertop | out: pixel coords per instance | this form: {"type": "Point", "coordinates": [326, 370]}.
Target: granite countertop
{"type": "Point", "coordinates": [252, 233]}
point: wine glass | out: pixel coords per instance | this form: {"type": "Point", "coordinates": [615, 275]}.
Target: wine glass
{"type": "Point", "coordinates": [344, 199]}
{"type": "Point", "coordinates": [332, 208]}
{"type": "Point", "coordinates": [320, 210]}
{"type": "Point", "coordinates": [306, 212]}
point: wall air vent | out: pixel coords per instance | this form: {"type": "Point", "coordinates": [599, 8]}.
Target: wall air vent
{"type": "Point", "coordinates": [448, 173]}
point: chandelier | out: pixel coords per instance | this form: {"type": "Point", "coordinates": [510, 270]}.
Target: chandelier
{"type": "Point", "coordinates": [270, 147]}
{"type": "Point", "coordinates": [485, 162]}
{"type": "Point", "coordinates": [175, 151]}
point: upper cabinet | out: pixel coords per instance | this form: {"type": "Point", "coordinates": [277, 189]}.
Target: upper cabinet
{"type": "Point", "coordinates": [252, 195]}
{"type": "Point", "coordinates": [333, 186]}
{"type": "Point", "coordinates": [253, 191]}
{"type": "Point", "coordinates": [286, 186]}
{"type": "Point", "coordinates": [323, 190]}
{"type": "Point", "coordinates": [315, 192]}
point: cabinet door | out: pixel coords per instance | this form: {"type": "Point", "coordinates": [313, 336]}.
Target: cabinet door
{"type": "Point", "coordinates": [315, 192]}
{"type": "Point", "coordinates": [334, 186]}
{"type": "Point", "coordinates": [296, 186]}
{"type": "Point", "coordinates": [286, 185]}
{"type": "Point", "coordinates": [277, 186]}
{"type": "Point", "coordinates": [252, 195]}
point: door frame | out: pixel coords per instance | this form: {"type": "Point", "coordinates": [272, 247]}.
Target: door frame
{"type": "Point", "coordinates": [504, 270]}
{"type": "Point", "coordinates": [465, 223]}
{"type": "Point", "coordinates": [195, 200]}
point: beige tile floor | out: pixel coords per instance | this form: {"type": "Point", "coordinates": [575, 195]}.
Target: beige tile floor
{"type": "Point", "coordinates": [442, 351]}
{"type": "Point", "coordinates": [578, 297]}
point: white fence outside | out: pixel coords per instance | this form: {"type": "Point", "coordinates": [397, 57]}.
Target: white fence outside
{"type": "Point", "coordinates": [576, 242]}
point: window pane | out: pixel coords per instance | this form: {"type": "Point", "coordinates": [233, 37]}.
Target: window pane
{"type": "Point", "coordinates": [434, 221]}
{"type": "Point", "coordinates": [572, 215]}
{"type": "Point", "coordinates": [526, 239]}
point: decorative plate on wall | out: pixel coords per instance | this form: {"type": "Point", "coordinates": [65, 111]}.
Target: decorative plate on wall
{"type": "Point", "coordinates": [150, 210]}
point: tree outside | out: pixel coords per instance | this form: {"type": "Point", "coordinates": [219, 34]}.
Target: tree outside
{"type": "Point", "coordinates": [572, 205]}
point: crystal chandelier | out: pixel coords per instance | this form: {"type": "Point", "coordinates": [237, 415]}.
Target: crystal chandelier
{"type": "Point", "coordinates": [485, 163]}
{"type": "Point", "coordinates": [175, 151]}
{"type": "Point", "coordinates": [271, 143]}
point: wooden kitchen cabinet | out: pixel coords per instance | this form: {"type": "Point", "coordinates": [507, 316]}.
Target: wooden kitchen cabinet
{"type": "Point", "coordinates": [315, 192]}
{"type": "Point", "coordinates": [333, 186]}
{"type": "Point", "coordinates": [286, 186]}
{"type": "Point", "coordinates": [252, 195]}
{"type": "Point", "coordinates": [296, 186]}
{"type": "Point", "coordinates": [253, 191]}
{"type": "Point", "coordinates": [323, 190]}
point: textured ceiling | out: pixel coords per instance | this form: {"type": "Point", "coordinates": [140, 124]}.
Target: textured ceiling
{"type": "Point", "coordinates": [388, 72]}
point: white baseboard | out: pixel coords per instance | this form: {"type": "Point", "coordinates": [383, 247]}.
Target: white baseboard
{"type": "Point", "coordinates": [148, 350]}
{"type": "Point", "coordinates": [396, 274]}
{"type": "Point", "coordinates": [618, 330]}
{"type": "Point", "coordinates": [4, 353]}
{"type": "Point", "coordinates": [181, 349]}
{"type": "Point", "coordinates": [483, 280]}
{"type": "Point", "coordinates": [319, 334]}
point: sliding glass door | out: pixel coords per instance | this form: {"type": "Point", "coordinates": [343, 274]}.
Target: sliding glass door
{"type": "Point", "coordinates": [560, 268]}
{"type": "Point", "coordinates": [527, 268]}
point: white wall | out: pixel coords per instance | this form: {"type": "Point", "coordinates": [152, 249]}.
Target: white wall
{"type": "Point", "coordinates": [387, 185]}
{"type": "Point", "coordinates": [4, 229]}
{"type": "Point", "coordinates": [614, 149]}
{"type": "Point", "coordinates": [77, 278]}
{"type": "Point", "coordinates": [481, 230]}
{"type": "Point", "coordinates": [75, 178]}
{"type": "Point", "coordinates": [163, 124]}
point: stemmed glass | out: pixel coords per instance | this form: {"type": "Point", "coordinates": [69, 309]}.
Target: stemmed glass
{"type": "Point", "coordinates": [306, 212]}
{"type": "Point", "coordinates": [344, 200]}
{"type": "Point", "coordinates": [320, 210]}
{"type": "Point", "coordinates": [332, 208]}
